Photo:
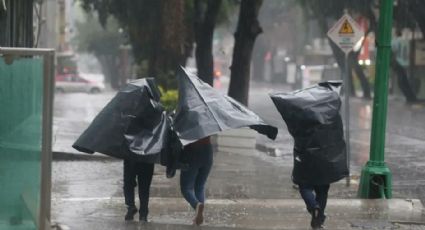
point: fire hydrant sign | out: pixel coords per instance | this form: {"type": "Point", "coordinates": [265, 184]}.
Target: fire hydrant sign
{"type": "Point", "coordinates": [346, 33]}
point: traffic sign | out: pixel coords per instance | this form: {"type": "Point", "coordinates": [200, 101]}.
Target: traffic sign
{"type": "Point", "coordinates": [346, 33]}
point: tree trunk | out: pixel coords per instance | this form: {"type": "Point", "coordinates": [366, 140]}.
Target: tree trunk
{"type": "Point", "coordinates": [110, 70]}
{"type": "Point", "coordinates": [204, 30]}
{"type": "Point", "coordinates": [16, 22]}
{"type": "Point", "coordinates": [156, 41]}
{"type": "Point", "coordinates": [361, 75]}
{"type": "Point", "coordinates": [246, 32]}
{"type": "Point", "coordinates": [417, 8]}
{"type": "Point", "coordinates": [403, 81]}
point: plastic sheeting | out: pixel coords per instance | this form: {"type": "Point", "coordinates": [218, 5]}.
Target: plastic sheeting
{"type": "Point", "coordinates": [313, 119]}
{"type": "Point", "coordinates": [203, 111]}
{"type": "Point", "coordinates": [133, 125]}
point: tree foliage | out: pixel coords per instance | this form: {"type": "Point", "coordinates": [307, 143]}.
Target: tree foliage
{"type": "Point", "coordinates": [104, 43]}
{"type": "Point", "coordinates": [157, 29]}
{"type": "Point", "coordinates": [205, 18]}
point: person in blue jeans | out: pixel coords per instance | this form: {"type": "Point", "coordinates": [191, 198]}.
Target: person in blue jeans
{"type": "Point", "coordinates": [315, 197]}
{"type": "Point", "coordinates": [197, 158]}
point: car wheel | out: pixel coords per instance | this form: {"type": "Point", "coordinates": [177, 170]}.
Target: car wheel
{"type": "Point", "coordinates": [59, 90]}
{"type": "Point", "coordinates": [94, 90]}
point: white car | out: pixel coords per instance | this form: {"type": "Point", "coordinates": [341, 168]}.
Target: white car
{"type": "Point", "coordinates": [90, 83]}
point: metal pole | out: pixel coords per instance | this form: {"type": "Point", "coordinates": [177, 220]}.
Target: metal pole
{"type": "Point", "coordinates": [377, 146]}
{"type": "Point", "coordinates": [44, 219]}
{"type": "Point", "coordinates": [376, 166]}
{"type": "Point", "coordinates": [46, 157]}
{"type": "Point", "coordinates": [347, 88]}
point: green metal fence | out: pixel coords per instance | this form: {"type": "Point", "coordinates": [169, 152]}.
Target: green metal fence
{"type": "Point", "coordinates": [25, 137]}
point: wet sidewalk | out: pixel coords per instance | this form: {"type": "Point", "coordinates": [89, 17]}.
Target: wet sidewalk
{"type": "Point", "coordinates": [247, 189]}
{"type": "Point", "coordinates": [173, 213]}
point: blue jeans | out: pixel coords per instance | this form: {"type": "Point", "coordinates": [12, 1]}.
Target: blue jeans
{"type": "Point", "coordinates": [199, 161]}
{"type": "Point", "coordinates": [315, 196]}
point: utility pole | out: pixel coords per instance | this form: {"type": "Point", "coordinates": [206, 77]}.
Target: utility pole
{"type": "Point", "coordinates": [375, 181]}
{"type": "Point", "coordinates": [62, 26]}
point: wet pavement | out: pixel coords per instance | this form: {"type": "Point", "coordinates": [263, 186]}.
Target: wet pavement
{"type": "Point", "coordinates": [247, 189]}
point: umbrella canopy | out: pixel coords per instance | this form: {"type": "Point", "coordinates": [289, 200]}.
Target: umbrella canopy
{"type": "Point", "coordinates": [133, 125]}
{"type": "Point", "coordinates": [203, 111]}
{"type": "Point", "coordinates": [313, 119]}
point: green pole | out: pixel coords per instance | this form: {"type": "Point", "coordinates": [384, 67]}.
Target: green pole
{"type": "Point", "coordinates": [376, 176]}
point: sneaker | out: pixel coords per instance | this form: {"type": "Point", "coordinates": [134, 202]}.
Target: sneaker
{"type": "Point", "coordinates": [143, 218]}
{"type": "Point", "coordinates": [322, 219]}
{"type": "Point", "coordinates": [131, 211]}
{"type": "Point", "coordinates": [316, 221]}
{"type": "Point", "coordinates": [199, 217]}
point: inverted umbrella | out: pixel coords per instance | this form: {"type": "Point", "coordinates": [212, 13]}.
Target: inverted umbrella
{"type": "Point", "coordinates": [313, 119]}
{"type": "Point", "coordinates": [203, 111]}
{"type": "Point", "coordinates": [133, 125]}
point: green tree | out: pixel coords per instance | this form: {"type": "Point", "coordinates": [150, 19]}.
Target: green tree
{"type": "Point", "coordinates": [157, 30]}
{"type": "Point", "coordinates": [104, 43]}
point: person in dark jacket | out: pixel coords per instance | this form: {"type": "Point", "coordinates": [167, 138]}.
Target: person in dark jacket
{"type": "Point", "coordinates": [142, 172]}
{"type": "Point", "coordinates": [198, 159]}
{"type": "Point", "coordinates": [313, 119]}
{"type": "Point", "coordinates": [315, 198]}
{"type": "Point", "coordinates": [318, 162]}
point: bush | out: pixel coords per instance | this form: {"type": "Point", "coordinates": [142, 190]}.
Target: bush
{"type": "Point", "coordinates": [169, 99]}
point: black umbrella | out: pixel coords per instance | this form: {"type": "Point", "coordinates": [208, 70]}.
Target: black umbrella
{"type": "Point", "coordinates": [313, 119]}
{"type": "Point", "coordinates": [203, 111]}
{"type": "Point", "coordinates": [133, 125]}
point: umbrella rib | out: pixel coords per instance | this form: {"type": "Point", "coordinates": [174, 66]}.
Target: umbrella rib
{"type": "Point", "coordinates": [202, 98]}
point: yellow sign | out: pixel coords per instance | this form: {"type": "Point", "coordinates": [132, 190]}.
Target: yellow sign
{"type": "Point", "coordinates": [346, 28]}
{"type": "Point", "coordinates": [345, 33]}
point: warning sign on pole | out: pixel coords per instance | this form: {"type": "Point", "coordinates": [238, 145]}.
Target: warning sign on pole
{"type": "Point", "coordinates": [346, 28]}
{"type": "Point", "coordinates": [346, 33]}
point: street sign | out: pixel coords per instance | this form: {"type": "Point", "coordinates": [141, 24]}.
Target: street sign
{"type": "Point", "coordinates": [346, 33]}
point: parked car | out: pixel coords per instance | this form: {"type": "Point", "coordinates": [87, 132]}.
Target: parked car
{"type": "Point", "coordinates": [78, 83]}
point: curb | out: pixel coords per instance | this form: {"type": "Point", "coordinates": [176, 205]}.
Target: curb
{"type": "Point", "coordinates": [69, 156]}
{"type": "Point", "coordinates": [266, 149]}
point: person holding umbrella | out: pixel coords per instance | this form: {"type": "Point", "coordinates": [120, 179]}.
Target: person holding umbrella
{"type": "Point", "coordinates": [201, 112]}
{"type": "Point", "coordinates": [143, 172]}
{"type": "Point", "coordinates": [133, 126]}
{"type": "Point", "coordinates": [313, 119]}
{"type": "Point", "coordinates": [198, 160]}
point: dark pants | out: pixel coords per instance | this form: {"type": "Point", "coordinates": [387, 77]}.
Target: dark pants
{"type": "Point", "coordinates": [143, 172]}
{"type": "Point", "coordinates": [315, 196]}
{"type": "Point", "coordinates": [199, 160]}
